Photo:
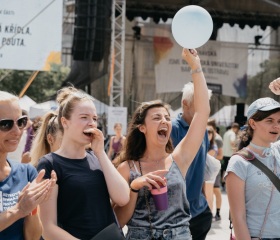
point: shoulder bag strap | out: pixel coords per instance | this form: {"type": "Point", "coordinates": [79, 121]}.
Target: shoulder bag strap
{"type": "Point", "coordinates": [246, 154]}
{"type": "Point", "coordinates": [273, 178]}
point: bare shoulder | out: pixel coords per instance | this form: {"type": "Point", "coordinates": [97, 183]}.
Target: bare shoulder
{"type": "Point", "coordinates": [124, 170]}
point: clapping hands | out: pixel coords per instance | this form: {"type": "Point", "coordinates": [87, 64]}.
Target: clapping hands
{"type": "Point", "coordinates": [35, 193]}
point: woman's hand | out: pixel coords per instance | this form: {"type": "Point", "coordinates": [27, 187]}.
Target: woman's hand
{"type": "Point", "coordinates": [97, 139]}
{"type": "Point", "coordinates": [150, 180]}
{"type": "Point", "coordinates": [274, 86]}
{"type": "Point", "coordinates": [35, 193]}
{"type": "Point", "coordinates": [191, 57]}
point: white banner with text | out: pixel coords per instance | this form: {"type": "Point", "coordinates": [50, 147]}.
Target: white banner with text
{"type": "Point", "coordinates": [224, 65]}
{"type": "Point", "coordinates": [30, 34]}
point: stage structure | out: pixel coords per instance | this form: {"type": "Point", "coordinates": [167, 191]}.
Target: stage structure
{"type": "Point", "coordinates": [117, 53]}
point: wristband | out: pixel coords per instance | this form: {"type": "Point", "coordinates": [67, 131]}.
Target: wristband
{"type": "Point", "coordinates": [198, 70]}
{"type": "Point", "coordinates": [134, 190]}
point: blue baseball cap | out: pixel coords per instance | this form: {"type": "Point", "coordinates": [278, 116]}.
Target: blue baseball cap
{"type": "Point", "coordinates": [262, 104]}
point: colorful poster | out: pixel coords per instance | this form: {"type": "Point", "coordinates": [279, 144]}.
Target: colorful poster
{"type": "Point", "coordinates": [224, 65]}
{"type": "Point", "coordinates": [30, 34]}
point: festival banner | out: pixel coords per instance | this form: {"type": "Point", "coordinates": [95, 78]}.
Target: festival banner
{"type": "Point", "coordinates": [30, 34]}
{"type": "Point", "coordinates": [224, 65]}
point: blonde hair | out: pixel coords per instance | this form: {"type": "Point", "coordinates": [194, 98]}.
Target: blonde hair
{"type": "Point", "coordinates": [67, 97]}
{"type": "Point", "coordinates": [40, 145]}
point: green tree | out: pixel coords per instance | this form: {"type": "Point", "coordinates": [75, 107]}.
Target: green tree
{"type": "Point", "coordinates": [43, 87]}
{"type": "Point", "coordinates": [257, 86]}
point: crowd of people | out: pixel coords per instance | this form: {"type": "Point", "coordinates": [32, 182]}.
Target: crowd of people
{"type": "Point", "coordinates": [66, 186]}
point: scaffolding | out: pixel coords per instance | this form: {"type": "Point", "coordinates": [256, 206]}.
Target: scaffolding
{"type": "Point", "coordinates": [117, 52]}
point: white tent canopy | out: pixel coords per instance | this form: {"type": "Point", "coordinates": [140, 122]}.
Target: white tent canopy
{"type": "Point", "coordinates": [226, 115]}
{"type": "Point", "coordinates": [100, 107]}
{"type": "Point", "coordinates": [42, 108]}
{"type": "Point", "coordinates": [174, 113]}
{"type": "Point", "coordinates": [26, 102]}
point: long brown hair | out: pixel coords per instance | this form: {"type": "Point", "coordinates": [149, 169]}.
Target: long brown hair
{"type": "Point", "coordinates": [212, 141]}
{"type": "Point", "coordinates": [135, 141]}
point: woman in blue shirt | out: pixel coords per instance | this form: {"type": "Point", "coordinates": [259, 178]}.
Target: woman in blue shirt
{"type": "Point", "coordinates": [18, 197]}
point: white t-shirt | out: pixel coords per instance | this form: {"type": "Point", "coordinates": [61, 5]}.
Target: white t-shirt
{"type": "Point", "coordinates": [229, 137]}
{"type": "Point", "coordinates": [258, 189]}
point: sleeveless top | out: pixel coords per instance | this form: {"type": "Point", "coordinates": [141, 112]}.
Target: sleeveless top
{"type": "Point", "coordinates": [117, 146]}
{"type": "Point", "coordinates": [177, 214]}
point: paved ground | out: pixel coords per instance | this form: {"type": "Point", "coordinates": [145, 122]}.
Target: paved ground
{"type": "Point", "coordinates": [220, 229]}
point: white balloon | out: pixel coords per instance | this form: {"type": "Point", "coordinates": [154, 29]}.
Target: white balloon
{"type": "Point", "coordinates": [192, 26]}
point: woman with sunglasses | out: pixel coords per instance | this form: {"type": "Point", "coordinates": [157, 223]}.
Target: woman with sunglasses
{"type": "Point", "coordinates": [18, 197]}
{"type": "Point", "coordinates": [149, 161]}
{"type": "Point", "coordinates": [80, 206]}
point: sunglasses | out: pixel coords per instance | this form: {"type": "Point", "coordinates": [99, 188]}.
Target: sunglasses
{"type": "Point", "coordinates": [7, 124]}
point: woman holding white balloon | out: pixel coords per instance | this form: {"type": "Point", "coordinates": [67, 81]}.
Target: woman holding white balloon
{"type": "Point", "coordinates": [148, 160]}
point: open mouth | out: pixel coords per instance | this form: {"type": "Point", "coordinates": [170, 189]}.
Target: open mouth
{"type": "Point", "coordinates": [88, 134]}
{"type": "Point", "coordinates": [162, 132]}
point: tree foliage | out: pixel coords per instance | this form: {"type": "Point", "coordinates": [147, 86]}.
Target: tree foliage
{"type": "Point", "coordinates": [43, 87]}
{"type": "Point", "coordinates": [257, 86]}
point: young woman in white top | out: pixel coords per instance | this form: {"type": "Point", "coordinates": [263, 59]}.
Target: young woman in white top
{"type": "Point", "coordinates": [253, 198]}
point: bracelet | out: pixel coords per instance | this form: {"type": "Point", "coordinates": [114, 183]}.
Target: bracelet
{"type": "Point", "coordinates": [198, 70]}
{"type": "Point", "coordinates": [134, 190]}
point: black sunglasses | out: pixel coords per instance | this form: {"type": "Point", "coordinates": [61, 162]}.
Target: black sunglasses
{"type": "Point", "coordinates": [7, 124]}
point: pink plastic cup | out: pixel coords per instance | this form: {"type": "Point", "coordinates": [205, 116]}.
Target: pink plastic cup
{"type": "Point", "coordinates": [160, 198]}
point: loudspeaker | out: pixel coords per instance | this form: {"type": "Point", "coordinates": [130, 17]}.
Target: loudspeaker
{"type": "Point", "coordinates": [240, 118]}
{"type": "Point", "coordinates": [90, 29]}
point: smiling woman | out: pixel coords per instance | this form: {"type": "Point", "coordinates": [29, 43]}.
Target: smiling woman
{"type": "Point", "coordinates": [18, 198]}
{"type": "Point", "coordinates": [148, 161]}
{"type": "Point", "coordinates": [89, 176]}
